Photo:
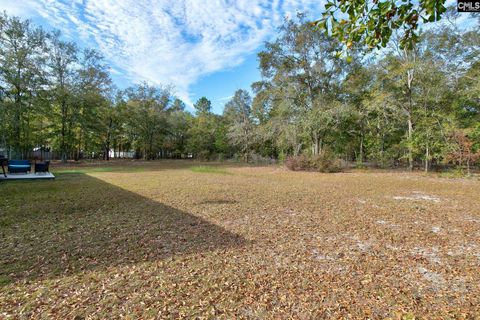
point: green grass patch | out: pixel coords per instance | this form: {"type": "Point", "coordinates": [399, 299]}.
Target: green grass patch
{"type": "Point", "coordinates": [102, 169]}
{"type": "Point", "coordinates": [4, 280]}
{"type": "Point", "coordinates": [208, 169]}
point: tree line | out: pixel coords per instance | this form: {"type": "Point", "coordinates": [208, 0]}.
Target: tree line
{"type": "Point", "coordinates": [410, 106]}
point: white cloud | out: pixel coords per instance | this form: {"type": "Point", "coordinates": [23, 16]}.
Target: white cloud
{"type": "Point", "coordinates": [225, 98]}
{"type": "Point", "coordinates": [16, 8]}
{"type": "Point", "coordinates": [164, 41]}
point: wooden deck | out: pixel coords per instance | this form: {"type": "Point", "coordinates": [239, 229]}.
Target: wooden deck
{"type": "Point", "coordinates": [29, 176]}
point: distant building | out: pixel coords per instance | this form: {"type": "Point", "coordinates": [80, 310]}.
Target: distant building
{"type": "Point", "coordinates": [121, 154]}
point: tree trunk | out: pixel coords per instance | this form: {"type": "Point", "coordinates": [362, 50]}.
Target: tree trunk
{"type": "Point", "coordinates": [410, 147]}
{"type": "Point", "coordinates": [361, 150]}
{"type": "Point", "coordinates": [427, 156]}
{"type": "Point", "coordinates": [107, 141]}
{"type": "Point", "coordinates": [410, 78]}
{"type": "Point", "coordinates": [315, 144]}
{"type": "Point", "coordinates": [63, 133]}
{"type": "Point", "coordinates": [79, 146]}
{"type": "Point", "coordinates": [17, 127]}
{"type": "Point", "coordinates": [62, 143]}
{"type": "Point", "coordinates": [297, 149]}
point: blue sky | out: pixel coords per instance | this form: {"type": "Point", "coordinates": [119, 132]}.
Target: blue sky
{"type": "Point", "coordinates": [201, 47]}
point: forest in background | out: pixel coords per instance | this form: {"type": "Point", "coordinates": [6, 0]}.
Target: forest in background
{"type": "Point", "coordinates": [416, 107]}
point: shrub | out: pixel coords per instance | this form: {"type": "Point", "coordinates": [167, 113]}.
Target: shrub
{"type": "Point", "coordinates": [256, 158]}
{"type": "Point", "coordinates": [203, 155]}
{"type": "Point", "coordinates": [463, 152]}
{"type": "Point", "coordinates": [323, 162]}
{"type": "Point", "coordinates": [326, 162]}
{"type": "Point", "coordinates": [296, 163]}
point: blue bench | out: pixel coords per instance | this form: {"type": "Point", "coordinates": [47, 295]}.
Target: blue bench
{"type": "Point", "coordinates": [19, 166]}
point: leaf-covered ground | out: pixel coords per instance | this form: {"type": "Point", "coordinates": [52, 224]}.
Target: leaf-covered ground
{"type": "Point", "coordinates": [165, 240]}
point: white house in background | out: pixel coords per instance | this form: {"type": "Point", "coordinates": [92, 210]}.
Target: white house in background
{"type": "Point", "coordinates": [121, 154]}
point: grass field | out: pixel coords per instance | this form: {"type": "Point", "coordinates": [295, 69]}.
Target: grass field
{"type": "Point", "coordinates": [175, 240]}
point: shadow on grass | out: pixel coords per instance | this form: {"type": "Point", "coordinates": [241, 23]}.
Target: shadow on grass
{"type": "Point", "coordinates": [79, 223]}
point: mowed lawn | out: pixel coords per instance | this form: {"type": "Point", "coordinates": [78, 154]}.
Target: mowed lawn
{"type": "Point", "coordinates": [165, 240]}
